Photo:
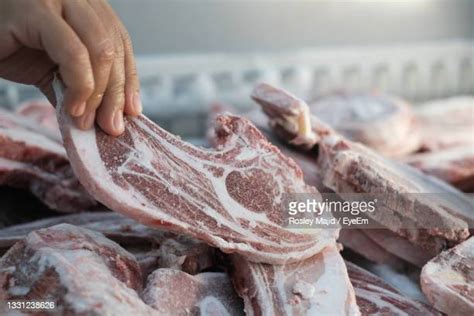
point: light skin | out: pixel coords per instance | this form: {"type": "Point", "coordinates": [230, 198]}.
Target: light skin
{"type": "Point", "coordinates": [83, 40]}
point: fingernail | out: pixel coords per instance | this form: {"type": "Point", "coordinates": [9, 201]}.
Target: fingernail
{"type": "Point", "coordinates": [118, 120]}
{"type": "Point", "coordinates": [88, 120]}
{"type": "Point", "coordinates": [78, 110]}
{"type": "Point", "coordinates": [137, 102]}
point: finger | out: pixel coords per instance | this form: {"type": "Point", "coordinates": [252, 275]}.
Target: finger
{"type": "Point", "coordinates": [82, 18]}
{"type": "Point", "coordinates": [133, 103]}
{"type": "Point", "coordinates": [110, 113]}
{"type": "Point", "coordinates": [65, 48]}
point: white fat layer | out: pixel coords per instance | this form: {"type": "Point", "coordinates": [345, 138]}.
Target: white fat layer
{"type": "Point", "coordinates": [439, 108]}
{"type": "Point", "coordinates": [35, 140]}
{"type": "Point", "coordinates": [438, 159]}
{"type": "Point", "coordinates": [330, 294]}
{"type": "Point", "coordinates": [303, 288]}
{"type": "Point", "coordinates": [333, 288]}
{"type": "Point", "coordinates": [304, 121]}
{"type": "Point", "coordinates": [444, 270]}
{"type": "Point", "coordinates": [7, 164]}
{"type": "Point", "coordinates": [13, 120]}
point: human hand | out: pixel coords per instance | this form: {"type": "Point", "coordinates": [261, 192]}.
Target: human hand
{"type": "Point", "coordinates": [87, 43]}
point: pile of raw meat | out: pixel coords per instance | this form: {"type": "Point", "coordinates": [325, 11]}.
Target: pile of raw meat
{"type": "Point", "coordinates": [158, 226]}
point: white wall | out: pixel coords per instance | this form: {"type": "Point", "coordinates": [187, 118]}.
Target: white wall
{"type": "Point", "coordinates": [184, 26]}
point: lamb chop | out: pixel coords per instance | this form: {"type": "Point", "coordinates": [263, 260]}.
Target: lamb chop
{"type": "Point", "coordinates": [230, 197]}
{"type": "Point", "coordinates": [419, 208]}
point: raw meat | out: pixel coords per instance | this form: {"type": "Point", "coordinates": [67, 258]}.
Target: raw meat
{"type": "Point", "coordinates": [15, 233]}
{"type": "Point", "coordinates": [289, 116]}
{"type": "Point", "coordinates": [357, 241]}
{"type": "Point", "coordinates": [59, 191]}
{"type": "Point", "coordinates": [316, 286]}
{"type": "Point", "coordinates": [375, 297]}
{"type": "Point", "coordinates": [384, 123]}
{"type": "Point", "coordinates": [173, 292]}
{"type": "Point", "coordinates": [447, 123]}
{"type": "Point", "coordinates": [80, 270]}
{"type": "Point", "coordinates": [454, 165]}
{"type": "Point", "coordinates": [400, 247]}
{"type": "Point", "coordinates": [448, 280]}
{"type": "Point", "coordinates": [154, 248]}
{"type": "Point", "coordinates": [41, 112]}
{"type": "Point", "coordinates": [407, 199]}
{"type": "Point", "coordinates": [306, 162]}
{"type": "Point", "coordinates": [30, 158]}
{"type": "Point", "coordinates": [21, 121]}
{"type": "Point", "coordinates": [230, 197]}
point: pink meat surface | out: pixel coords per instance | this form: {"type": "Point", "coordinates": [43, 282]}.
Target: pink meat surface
{"type": "Point", "coordinates": [315, 286]}
{"type": "Point", "coordinates": [400, 247]}
{"type": "Point", "coordinates": [81, 271]}
{"type": "Point", "coordinates": [448, 280]}
{"type": "Point", "coordinates": [357, 241]}
{"type": "Point", "coordinates": [230, 197]}
{"type": "Point", "coordinates": [173, 292]}
{"type": "Point", "coordinates": [376, 297]}
{"type": "Point", "coordinates": [447, 122]}
{"type": "Point", "coordinates": [384, 123]}
{"type": "Point", "coordinates": [455, 165]}
{"type": "Point", "coordinates": [407, 198]}
{"type": "Point", "coordinates": [31, 158]}
{"type": "Point", "coordinates": [43, 113]}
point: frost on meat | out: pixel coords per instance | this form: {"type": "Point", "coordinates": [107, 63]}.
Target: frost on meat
{"type": "Point", "coordinates": [455, 165]}
{"type": "Point", "coordinates": [230, 197]}
{"type": "Point", "coordinates": [80, 270]}
{"type": "Point", "coordinates": [173, 292]}
{"type": "Point", "coordinates": [448, 280]}
{"type": "Point", "coordinates": [421, 201]}
{"type": "Point", "coordinates": [153, 248]}
{"type": "Point", "coordinates": [31, 158]}
{"type": "Point", "coordinates": [375, 297]}
{"type": "Point", "coordinates": [315, 286]}
{"type": "Point", "coordinates": [384, 123]}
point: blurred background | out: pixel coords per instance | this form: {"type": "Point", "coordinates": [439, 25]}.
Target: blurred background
{"type": "Point", "coordinates": [191, 53]}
